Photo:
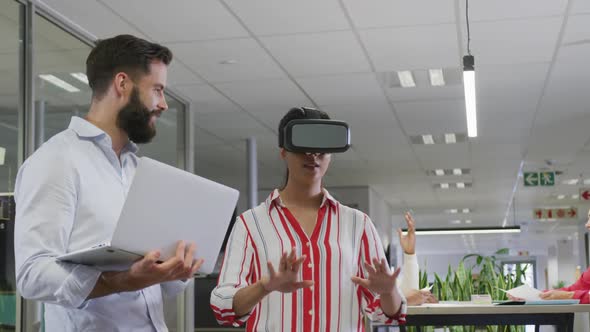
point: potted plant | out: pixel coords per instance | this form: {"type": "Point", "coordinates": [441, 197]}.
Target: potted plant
{"type": "Point", "coordinates": [461, 283]}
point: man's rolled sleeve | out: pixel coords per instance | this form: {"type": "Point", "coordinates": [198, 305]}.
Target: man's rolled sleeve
{"type": "Point", "coordinates": [235, 274]}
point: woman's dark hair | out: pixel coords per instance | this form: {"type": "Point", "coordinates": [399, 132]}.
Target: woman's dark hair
{"type": "Point", "coordinates": [295, 114]}
{"type": "Point", "coordinates": [123, 53]}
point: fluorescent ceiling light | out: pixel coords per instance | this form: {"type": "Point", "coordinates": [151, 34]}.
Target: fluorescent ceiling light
{"type": "Point", "coordinates": [80, 77]}
{"type": "Point", "coordinates": [468, 221]}
{"type": "Point", "coordinates": [455, 222]}
{"type": "Point", "coordinates": [466, 211]}
{"type": "Point", "coordinates": [470, 102]}
{"type": "Point", "coordinates": [460, 185]}
{"type": "Point", "coordinates": [2, 155]}
{"type": "Point", "coordinates": [444, 186]}
{"type": "Point", "coordinates": [439, 172]}
{"type": "Point", "coordinates": [457, 171]}
{"type": "Point", "coordinates": [571, 181]}
{"type": "Point", "coordinates": [228, 62]}
{"type": "Point", "coordinates": [451, 211]}
{"type": "Point", "coordinates": [560, 196]}
{"type": "Point", "coordinates": [7, 194]}
{"type": "Point", "coordinates": [466, 230]}
{"type": "Point", "coordinates": [576, 196]}
{"type": "Point", "coordinates": [450, 138]}
{"type": "Point", "coordinates": [406, 79]}
{"type": "Point", "coordinates": [59, 83]}
{"type": "Point", "coordinates": [436, 77]}
{"type": "Point", "coordinates": [427, 139]}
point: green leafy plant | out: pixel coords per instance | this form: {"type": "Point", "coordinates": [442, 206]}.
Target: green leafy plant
{"type": "Point", "coordinates": [559, 284]}
{"type": "Point", "coordinates": [461, 283]}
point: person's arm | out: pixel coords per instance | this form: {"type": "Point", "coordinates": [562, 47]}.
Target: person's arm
{"type": "Point", "coordinates": [579, 290]}
{"type": "Point", "coordinates": [147, 272]}
{"type": "Point", "coordinates": [283, 280]}
{"type": "Point", "coordinates": [236, 274]}
{"type": "Point", "coordinates": [409, 280]}
{"type": "Point", "coordinates": [410, 275]}
{"type": "Point", "coordinates": [236, 294]}
{"type": "Point", "coordinates": [46, 198]}
{"type": "Point", "coordinates": [381, 300]}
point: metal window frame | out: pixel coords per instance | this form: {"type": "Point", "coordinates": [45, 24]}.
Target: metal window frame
{"type": "Point", "coordinates": [29, 312]}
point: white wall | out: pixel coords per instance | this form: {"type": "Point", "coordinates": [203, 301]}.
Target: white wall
{"type": "Point", "coordinates": [552, 266]}
{"type": "Point", "coordinates": [381, 215]}
{"type": "Point", "coordinates": [567, 261]}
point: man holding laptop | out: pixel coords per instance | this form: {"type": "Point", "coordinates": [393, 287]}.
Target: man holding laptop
{"type": "Point", "coordinates": [70, 192]}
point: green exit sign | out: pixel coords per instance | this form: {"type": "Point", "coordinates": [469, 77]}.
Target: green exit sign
{"type": "Point", "coordinates": [534, 179]}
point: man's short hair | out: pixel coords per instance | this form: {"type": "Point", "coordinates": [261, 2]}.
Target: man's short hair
{"type": "Point", "coordinates": [122, 53]}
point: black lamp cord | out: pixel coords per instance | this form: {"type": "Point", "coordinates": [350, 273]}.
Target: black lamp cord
{"type": "Point", "coordinates": [468, 32]}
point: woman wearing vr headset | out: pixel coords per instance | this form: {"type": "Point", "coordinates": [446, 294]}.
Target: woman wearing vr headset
{"type": "Point", "coordinates": [301, 261]}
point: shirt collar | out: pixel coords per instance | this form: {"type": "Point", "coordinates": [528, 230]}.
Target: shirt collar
{"type": "Point", "coordinates": [86, 129]}
{"type": "Point", "coordinates": [275, 198]}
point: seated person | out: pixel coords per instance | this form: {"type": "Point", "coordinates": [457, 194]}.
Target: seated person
{"type": "Point", "coordinates": [409, 279]}
{"type": "Point", "coordinates": [579, 290]}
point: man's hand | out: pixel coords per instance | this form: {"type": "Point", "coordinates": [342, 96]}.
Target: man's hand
{"type": "Point", "coordinates": [418, 297]}
{"type": "Point", "coordinates": [285, 279]}
{"type": "Point", "coordinates": [147, 271]}
{"type": "Point", "coordinates": [381, 279]}
{"type": "Point", "coordinates": [514, 298]}
{"type": "Point", "coordinates": [556, 295]}
{"type": "Point", "coordinates": [408, 241]}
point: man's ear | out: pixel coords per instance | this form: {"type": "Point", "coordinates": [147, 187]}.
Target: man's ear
{"type": "Point", "coordinates": [283, 154]}
{"type": "Point", "coordinates": [122, 84]}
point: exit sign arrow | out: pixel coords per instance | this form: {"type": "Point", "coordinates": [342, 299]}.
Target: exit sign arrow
{"type": "Point", "coordinates": [584, 194]}
{"type": "Point", "coordinates": [531, 179]}
{"type": "Point", "coordinates": [572, 212]}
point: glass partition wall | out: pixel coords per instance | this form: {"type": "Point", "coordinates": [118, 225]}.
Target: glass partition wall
{"type": "Point", "coordinates": [9, 137]}
{"type": "Point", "coordinates": [42, 85]}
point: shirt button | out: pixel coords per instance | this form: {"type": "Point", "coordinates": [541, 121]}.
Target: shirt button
{"type": "Point", "coordinates": [311, 312]}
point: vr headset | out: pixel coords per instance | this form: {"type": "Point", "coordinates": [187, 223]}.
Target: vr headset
{"type": "Point", "coordinates": [315, 136]}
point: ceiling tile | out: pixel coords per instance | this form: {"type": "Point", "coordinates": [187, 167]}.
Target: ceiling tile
{"type": "Point", "coordinates": [318, 53]}
{"type": "Point", "coordinates": [230, 125]}
{"type": "Point", "coordinates": [343, 89]}
{"type": "Point", "coordinates": [91, 16]}
{"type": "Point", "coordinates": [267, 95]}
{"type": "Point", "coordinates": [432, 117]}
{"type": "Point", "coordinates": [206, 99]}
{"type": "Point", "coordinates": [511, 80]}
{"type": "Point", "coordinates": [444, 156]}
{"type": "Point", "coordinates": [386, 13]}
{"type": "Point", "coordinates": [184, 20]}
{"type": "Point", "coordinates": [580, 7]}
{"type": "Point", "coordinates": [514, 42]}
{"type": "Point", "coordinates": [207, 59]}
{"type": "Point", "coordinates": [394, 49]}
{"type": "Point", "coordinates": [511, 9]}
{"type": "Point", "coordinates": [425, 93]}
{"type": "Point", "coordinates": [289, 17]}
{"type": "Point", "coordinates": [576, 31]}
{"type": "Point", "coordinates": [179, 74]}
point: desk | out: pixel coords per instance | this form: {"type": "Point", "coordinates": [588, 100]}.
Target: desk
{"type": "Point", "coordinates": [560, 316]}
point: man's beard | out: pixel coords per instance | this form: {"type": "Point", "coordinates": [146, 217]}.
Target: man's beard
{"type": "Point", "coordinates": [134, 119]}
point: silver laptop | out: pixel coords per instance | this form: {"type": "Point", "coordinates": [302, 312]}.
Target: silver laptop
{"type": "Point", "coordinates": [165, 205]}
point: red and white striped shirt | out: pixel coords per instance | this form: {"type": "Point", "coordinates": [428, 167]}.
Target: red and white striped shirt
{"type": "Point", "coordinates": [343, 238]}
